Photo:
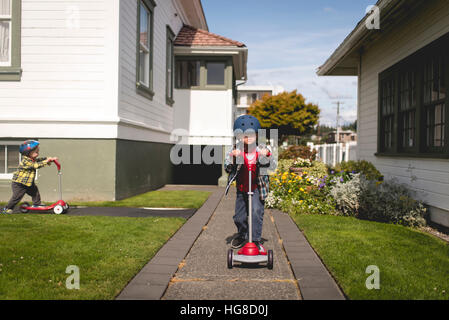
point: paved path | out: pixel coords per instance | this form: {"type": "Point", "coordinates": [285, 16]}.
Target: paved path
{"type": "Point", "coordinates": [130, 212]}
{"type": "Point", "coordinates": [192, 265]}
{"type": "Point", "coordinates": [204, 274]}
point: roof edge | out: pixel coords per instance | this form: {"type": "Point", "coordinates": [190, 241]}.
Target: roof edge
{"type": "Point", "coordinates": [353, 39]}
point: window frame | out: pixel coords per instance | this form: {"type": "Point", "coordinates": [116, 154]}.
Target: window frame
{"type": "Point", "coordinates": [3, 143]}
{"type": "Point", "coordinates": [170, 78]}
{"type": "Point", "coordinates": [228, 83]}
{"type": "Point", "coordinates": [13, 72]}
{"type": "Point", "coordinates": [414, 63]}
{"type": "Point", "coordinates": [141, 88]}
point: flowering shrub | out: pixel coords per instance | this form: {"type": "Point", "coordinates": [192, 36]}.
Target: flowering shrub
{"type": "Point", "coordinates": [302, 163]}
{"type": "Point", "coordinates": [391, 202]}
{"type": "Point", "coordinates": [314, 190]}
{"type": "Point", "coordinates": [347, 194]}
{"type": "Point", "coordinates": [294, 152]}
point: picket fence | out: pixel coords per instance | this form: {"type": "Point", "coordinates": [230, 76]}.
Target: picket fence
{"type": "Point", "coordinates": [335, 153]}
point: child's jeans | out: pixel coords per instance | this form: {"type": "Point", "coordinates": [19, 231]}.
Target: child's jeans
{"type": "Point", "coordinates": [241, 215]}
{"type": "Point", "coordinates": [19, 190]}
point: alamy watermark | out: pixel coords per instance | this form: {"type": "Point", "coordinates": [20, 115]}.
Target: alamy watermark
{"type": "Point", "coordinates": [373, 281]}
{"type": "Point", "coordinates": [185, 153]}
{"type": "Point", "coordinates": [373, 20]}
{"type": "Point", "coordinates": [73, 281]}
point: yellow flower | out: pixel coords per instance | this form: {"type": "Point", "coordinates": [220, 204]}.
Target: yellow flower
{"type": "Point", "coordinates": [302, 190]}
{"type": "Point", "coordinates": [301, 201]}
{"type": "Point", "coordinates": [290, 191]}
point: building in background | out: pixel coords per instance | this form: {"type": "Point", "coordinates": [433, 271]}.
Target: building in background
{"type": "Point", "coordinates": [342, 136]}
{"type": "Point", "coordinates": [103, 85]}
{"type": "Point", "coordinates": [247, 95]}
{"type": "Point", "coordinates": [403, 109]}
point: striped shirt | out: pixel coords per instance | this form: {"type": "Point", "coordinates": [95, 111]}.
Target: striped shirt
{"type": "Point", "coordinates": [26, 172]}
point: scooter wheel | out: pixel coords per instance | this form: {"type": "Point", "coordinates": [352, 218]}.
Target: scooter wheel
{"type": "Point", "coordinates": [58, 209]}
{"type": "Point", "coordinates": [270, 260]}
{"type": "Point", "coordinates": [230, 258]}
{"type": "Point", "coordinates": [24, 206]}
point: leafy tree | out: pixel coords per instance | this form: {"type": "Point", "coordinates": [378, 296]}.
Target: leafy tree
{"type": "Point", "coordinates": [288, 112]}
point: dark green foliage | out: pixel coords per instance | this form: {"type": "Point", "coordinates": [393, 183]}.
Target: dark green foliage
{"type": "Point", "coordinates": [295, 152]}
{"type": "Point", "coordinates": [364, 167]}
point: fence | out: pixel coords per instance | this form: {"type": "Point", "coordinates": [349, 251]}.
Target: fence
{"type": "Point", "coordinates": [334, 153]}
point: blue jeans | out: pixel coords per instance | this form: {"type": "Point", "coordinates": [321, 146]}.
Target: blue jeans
{"type": "Point", "coordinates": [241, 215]}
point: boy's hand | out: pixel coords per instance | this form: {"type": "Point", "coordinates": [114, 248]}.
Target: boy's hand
{"type": "Point", "coordinates": [236, 153]}
{"type": "Point", "coordinates": [264, 152]}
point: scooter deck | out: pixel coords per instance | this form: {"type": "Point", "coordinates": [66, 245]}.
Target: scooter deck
{"type": "Point", "coordinates": [250, 259]}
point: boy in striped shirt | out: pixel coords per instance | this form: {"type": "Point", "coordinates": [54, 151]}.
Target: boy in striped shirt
{"type": "Point", "coordinates": [23, 178]}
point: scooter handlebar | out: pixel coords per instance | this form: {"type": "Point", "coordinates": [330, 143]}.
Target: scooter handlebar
{"type": "Point", "coordinates": [58, 165]}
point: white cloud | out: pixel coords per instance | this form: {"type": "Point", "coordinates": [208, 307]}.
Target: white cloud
{"type": "Point", "coordinates": [293, 61]}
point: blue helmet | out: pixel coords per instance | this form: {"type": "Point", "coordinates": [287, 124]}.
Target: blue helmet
{"type": "Point", "coordinates": [247, 122]}
{"type": "Point", "coordinates": [28, 146]}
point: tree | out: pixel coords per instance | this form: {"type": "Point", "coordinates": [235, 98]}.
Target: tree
{"type": "Point", "coordinates": [288, 112]}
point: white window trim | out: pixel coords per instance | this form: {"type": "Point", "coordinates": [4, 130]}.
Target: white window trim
{"type": "Point", "coordinates": [8, 18]}
{"type": "Point", "coordinates": [8, 176]}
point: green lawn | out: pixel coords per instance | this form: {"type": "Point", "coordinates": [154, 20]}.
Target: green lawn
{"type": "Point", "coordinates": [412, 264]}
{"type": "Point", "coordinates": [35, 251]}
{"type": "Point", "coordinates": [154, 199]}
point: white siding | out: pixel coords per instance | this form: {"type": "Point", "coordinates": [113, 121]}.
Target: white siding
{"type": "Point", "coordinates": [68, 70]}
{"type": "Point", "coordinates": [205, 115]}
{"type": "Point", "coordinates": [429, 177]}
{"type": "Point", "coordinates": [153, 120]}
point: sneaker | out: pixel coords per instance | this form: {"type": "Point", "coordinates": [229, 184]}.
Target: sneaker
{"type": "Point", "coordinates": [6, 211]}
{"type": "Point", "coordinates": [260, 247]}
{"type": "Point", "coordinates": [238, 242]}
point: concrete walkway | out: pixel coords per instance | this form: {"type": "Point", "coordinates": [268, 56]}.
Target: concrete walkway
{"type": "Point", "coordinates": [204, 274]}
{"type": "Point", "coordinates": [192, 265]}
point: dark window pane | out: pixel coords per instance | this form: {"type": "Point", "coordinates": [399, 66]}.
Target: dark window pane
{"type": "Point", "coordinates": [187, 74]}
{"type": "Point", "coordinates": [216, 73]}
{"type": "Point", "coordinates": [2, 159]}
{"type": "Point", "coordinates": [145, 41]}
{"type": "Point", "coordinates": [13, 158]}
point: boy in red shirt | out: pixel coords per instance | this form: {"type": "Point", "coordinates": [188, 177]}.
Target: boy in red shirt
{"type": "Point", "coordinates": [239, 162]}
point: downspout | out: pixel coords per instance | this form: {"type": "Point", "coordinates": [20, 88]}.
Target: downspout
{"type": "Point", "coordinates": [359, 100]}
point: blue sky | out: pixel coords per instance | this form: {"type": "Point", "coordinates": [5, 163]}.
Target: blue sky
{"type": "Point", "coordinates": [288, 40]}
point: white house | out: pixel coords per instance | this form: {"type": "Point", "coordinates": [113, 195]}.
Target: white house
{"type": "Point", "coordinates": [94, 82]}
{"type": "Point", "coordinates": [403, 108]}
{"type": "Point", "coordinates": [247, 95]}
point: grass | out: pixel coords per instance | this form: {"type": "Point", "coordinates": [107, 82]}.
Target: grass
{"type": "Point", "coordinates": [412, 264]}
{"type": "Point", "coordinates": [35, 251]}
{"type": "Point", "coordinates": [155, 199]}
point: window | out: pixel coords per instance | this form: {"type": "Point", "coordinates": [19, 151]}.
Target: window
{"type": "Point", "coordinates": [10, 38]}
{"type": "Point", "coordinates": [413, 104]}
{"type": "Point", "coordinates": [145, 48]}
{"type": "Point", "coordinates": [170, 65]}
{"type": "Point", "coordinates": [204, 73]}
{"type": "Point", "coordinates": [5, 33]}
{"type": "Point", "coordinates": [434, 102]}
{"type": "Point", "coordinates": [407, 109]}
{"type": "Point", "coordinates": [216, 73]}
{"type": "Point", "coordinates": [387, 110]}
{"type": "Point", "coordinates": [9, 159]}
{"type": "Point", "coordinates": [187, 74]}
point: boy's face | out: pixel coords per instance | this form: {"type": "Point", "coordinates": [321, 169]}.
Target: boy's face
{"type": "Point", "coordinates": [34, 154]}
{"type": "Point", "coordinates": [249, 139]}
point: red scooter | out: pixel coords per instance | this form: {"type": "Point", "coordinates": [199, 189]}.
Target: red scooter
{"type": "Point", "coordinates": [59, 207]}
{"type": "Point", "coordinates": [250, 253]}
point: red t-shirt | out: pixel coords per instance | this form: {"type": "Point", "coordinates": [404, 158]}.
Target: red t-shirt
{"type": "Point", "coordinates": [250, 161]}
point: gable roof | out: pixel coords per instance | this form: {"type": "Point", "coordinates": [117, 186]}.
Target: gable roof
{"type": "Point", "coordinates": [345, 59]}
{"type": "Point", "coordinates": [190, 37]}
